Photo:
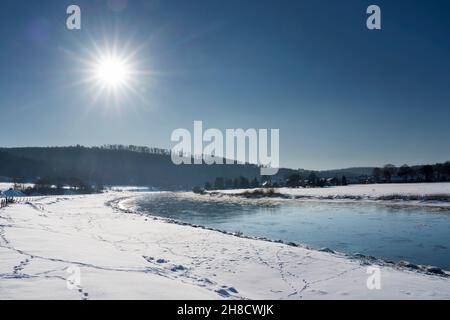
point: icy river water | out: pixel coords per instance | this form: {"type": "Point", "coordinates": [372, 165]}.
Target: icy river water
{"type": "Point", "coordinates": [415, 234]}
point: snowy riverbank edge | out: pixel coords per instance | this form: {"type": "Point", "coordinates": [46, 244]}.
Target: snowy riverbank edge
{"type": "Point", "coordinates": [128, 256]}
{"type": "Point", "coordinates": [433, 195]}
{"type": "Point", "coordinates": [119, 204]}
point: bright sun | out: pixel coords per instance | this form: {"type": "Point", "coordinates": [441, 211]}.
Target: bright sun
{"type": "Point", "coordinates": [112, 72]}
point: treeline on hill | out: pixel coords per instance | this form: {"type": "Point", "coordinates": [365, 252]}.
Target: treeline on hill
{"type": "Point", "coordinates": [295, 180]}
{"type": "Point", "coordinates": [439, 172]}
{"type": "Point", "coordinates": [81, 169]}
{"type": "Point", "coordinates": [112, 165]}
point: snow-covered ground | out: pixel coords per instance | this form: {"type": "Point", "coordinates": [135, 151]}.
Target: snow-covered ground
{"type": "Point", "coordinates": [419, 193]}
{"type": "Point", "coordinates": [127, 256]}
{"type": "Point", "coordinates": [129, 188]}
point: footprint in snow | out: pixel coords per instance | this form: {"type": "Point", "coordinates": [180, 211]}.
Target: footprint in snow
{"type": "Point", "coordinates": [225, 291]}
{"type": "Point", "coordinates": [232, 290]}
{"type": "Point", "coordinates": [148, 259]}
{"type": "Point", "coordinates": [161, 261]}
{"type": "Point", "coordinates": [178, 268]}
{"type": "Point", "coordinates": [206, 280]}
{"type": "Point", "coordinates": [84, 295]}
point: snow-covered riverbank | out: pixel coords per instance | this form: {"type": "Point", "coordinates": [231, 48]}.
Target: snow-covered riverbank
{"type": "Point", "coordinates": [127, 256]}
{"type": "Point", "coordinates": [424, 194]}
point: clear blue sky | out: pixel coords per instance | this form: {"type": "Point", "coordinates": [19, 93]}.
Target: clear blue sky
{"type": "Point", "coordinates": [340, 94]}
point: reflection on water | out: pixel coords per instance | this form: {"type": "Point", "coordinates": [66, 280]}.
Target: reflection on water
{"type": "Point", "coordinates": [418, 235]}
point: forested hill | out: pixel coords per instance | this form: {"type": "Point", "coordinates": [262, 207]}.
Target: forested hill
{"type": "Point", "coordinates": [114, 165]}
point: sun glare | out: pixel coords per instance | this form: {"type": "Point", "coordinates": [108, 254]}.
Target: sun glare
{"type": "Point", "coordinates": [112, 72]}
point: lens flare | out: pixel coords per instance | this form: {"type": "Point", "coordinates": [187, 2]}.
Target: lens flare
{"type": "Point", "coordinates": [112, 72]}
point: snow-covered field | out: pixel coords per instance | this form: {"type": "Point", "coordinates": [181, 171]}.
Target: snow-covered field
{"type": "Point", "coordinates": [419, 193]}
{"type": "Point", "coordinates": [127, 256]}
